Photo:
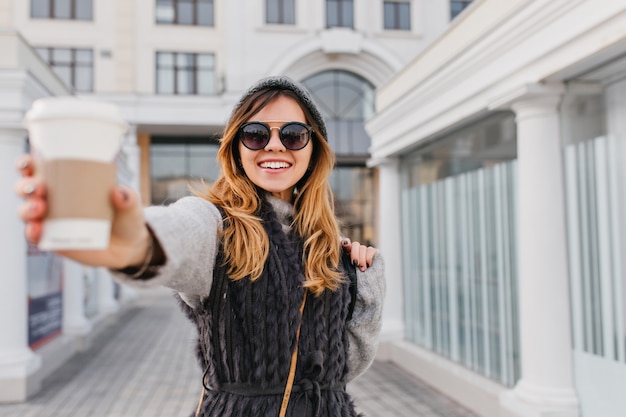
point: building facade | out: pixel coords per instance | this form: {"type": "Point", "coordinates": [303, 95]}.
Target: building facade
{"type": "Point", "coordinates": [175, 68]}
{"type": "Point", "coordinates": [500, 152]}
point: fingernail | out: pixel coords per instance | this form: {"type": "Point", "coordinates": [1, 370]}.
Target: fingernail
{"type": "Point", "coordinates": [23, 164]}
{"type": "Point", "coordinates": [344, 242]}
{"type": "Point", "coordinates": [29, 188]}
{"type": "Point", "coordinates": [124, 194]}
{"type": "Point", "coordinates": [355, 263]}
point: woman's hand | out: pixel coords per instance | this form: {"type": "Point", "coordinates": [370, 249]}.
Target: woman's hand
{"type": "Point", "coordinates": [129, 239]}
{"type": "Point", "coordinates": [362, 256]}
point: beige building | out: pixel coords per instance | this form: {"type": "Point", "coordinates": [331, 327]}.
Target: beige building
{"type": "Point", "coordinates": [175, 69]}
{"type": "Point", "coordinates": [501, 161]}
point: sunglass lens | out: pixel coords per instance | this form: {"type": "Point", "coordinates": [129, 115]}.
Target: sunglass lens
{"type": "Point", "coordinates": [294, 136]}
{"type": "Point", "coordinates": [255, 136]}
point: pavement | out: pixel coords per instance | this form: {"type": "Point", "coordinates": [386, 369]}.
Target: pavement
{"type": "Point", "coordinates": [143, 366]}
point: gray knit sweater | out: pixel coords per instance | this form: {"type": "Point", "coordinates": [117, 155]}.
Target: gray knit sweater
{"type": "Point", "coordinates": [188, 232]}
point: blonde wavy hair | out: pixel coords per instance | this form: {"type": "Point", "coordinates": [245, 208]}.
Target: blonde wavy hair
{"type": "Point", "coordinates": [244, 239]}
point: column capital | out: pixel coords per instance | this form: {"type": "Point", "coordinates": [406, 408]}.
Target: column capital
{"type": "Point", "coordinates": [536, 95]}
{"type": "Point", "coordinates": [387, 161]}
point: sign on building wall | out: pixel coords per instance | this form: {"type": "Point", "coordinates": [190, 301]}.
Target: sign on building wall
{"type": "Point", "coordinates": [45, 296]}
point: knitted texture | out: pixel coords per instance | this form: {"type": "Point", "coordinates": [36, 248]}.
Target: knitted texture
{"type": "Point", "coordinates": [247, 332]}
{"type": "Point", "coordinates": [283, 82]}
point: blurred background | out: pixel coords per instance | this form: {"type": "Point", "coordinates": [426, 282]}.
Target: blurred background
{"type": "Point", "coordinates": [480, 146]}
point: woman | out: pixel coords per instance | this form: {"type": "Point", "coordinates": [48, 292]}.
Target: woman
{"type": "Point", "coordinates": [256, 263]}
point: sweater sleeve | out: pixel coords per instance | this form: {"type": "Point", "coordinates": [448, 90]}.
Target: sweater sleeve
{"type": "Point", "coordinates": [187, 230]}
{"type": "Point", "coordinates": [364, 327]}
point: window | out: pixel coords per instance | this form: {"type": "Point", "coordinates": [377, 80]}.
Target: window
{"type": "Point", "coordinates": [459, 240]}
{"type": "Point", "coordinates": [73, 66]}
{"type": "Point", "coordinates": [346, 101]}
{"type": "Point", "coordinates": [62, 9]}
{"type": "Point", "coordinates": [457, 6]}
{"type": "Point", "coordinates": [280, 12]}
{"type": "Point", "coordinates": [185, 12]}
{"type": "Point", "coordinates": [397, 15]}
{"type": "Point", "coordinates": [185, 73]}
{"type": "Point", "coordinates": [179, 162]}
{"type": "Point", "coordinates": [339, 13]}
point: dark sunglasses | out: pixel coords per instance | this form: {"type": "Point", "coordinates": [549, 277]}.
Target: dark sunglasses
{"type": "Point", "coordinates": [293, 135]}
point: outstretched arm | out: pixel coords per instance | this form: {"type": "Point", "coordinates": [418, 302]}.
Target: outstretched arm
{"type": "Point", "coordinates": [130, 240]}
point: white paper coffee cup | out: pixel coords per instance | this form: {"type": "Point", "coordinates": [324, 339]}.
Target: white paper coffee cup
{"type": "Point", "coordinates": [75, 142]}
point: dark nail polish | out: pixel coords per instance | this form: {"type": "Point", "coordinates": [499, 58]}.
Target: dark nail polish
{"type": "Point", "coordinates": [355, 263]}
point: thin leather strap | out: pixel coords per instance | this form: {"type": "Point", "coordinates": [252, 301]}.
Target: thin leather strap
{"type": "Point", "coordinates": [200, 402]}
{"type": "Point", "coordinates": [292, 368]}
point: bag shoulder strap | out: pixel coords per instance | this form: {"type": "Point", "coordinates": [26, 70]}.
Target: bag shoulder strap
{"type": "Point", "coordinates": [292, 366]}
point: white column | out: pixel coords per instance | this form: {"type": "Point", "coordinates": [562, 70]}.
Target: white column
{"type": "Point", "coordinates": [75, 323]}
{"type": "Point", "coordinates": [546, 387]}
{"type": "Point", "coordinates": [17, 361]}
{"type": "Point", "coordinates": [107, 304]}
{"type": "Point", "coordinates": [133, 162]}
{"type": "Point", "coordinates": [132, 154]}
{"type": "Point", "coordinates": [389, 243]}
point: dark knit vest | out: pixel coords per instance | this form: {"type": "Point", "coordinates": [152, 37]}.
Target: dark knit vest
{"type": "Point", "coordinates": [247, 334]}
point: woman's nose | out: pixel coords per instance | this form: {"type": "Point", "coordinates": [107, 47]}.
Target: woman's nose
{"type": "Point", "coordinates": [274, 144]}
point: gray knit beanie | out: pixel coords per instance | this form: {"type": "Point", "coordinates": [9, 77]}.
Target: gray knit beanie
{"type": "Point", "coordinates": [282, 82]}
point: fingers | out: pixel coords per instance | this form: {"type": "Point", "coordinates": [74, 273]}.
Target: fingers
{"type": "Point", "coordinates": [123, 197]}
{"type": "Point", "coordinates": [369, 255]}
{"type": "Point", "coordinates": [362, 256]}
{"type": "Point", "coordinates": [128, 222]}
{"type": "Point", "coordinates": [32, 232]}
{"type": "Point", "coordinates": [25, 165]}
{"type": "Point", "coordinates": [29, 187]}
{"type": "Point", "coordinates": [346, 244]}
{"type": "Point", "coordinates": [358, 255]}
{"type": "Point", "coordinates": [33, 209]}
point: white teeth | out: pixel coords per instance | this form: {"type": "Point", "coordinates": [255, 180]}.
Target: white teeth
{"type": "Point", "coordinates": [274, 165]}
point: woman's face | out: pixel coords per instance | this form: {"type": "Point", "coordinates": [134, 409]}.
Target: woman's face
{"type": "Point", "coordinates": [275, 168]}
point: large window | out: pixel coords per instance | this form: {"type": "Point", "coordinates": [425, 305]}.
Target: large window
{"type": "Point", "coordinates": [280, 12]}
{"type": "Point", "coordinates": [345, 100]}
{"type": "Point", "coordinates": [595, 180]}
{"type": "Point", "coordinates": [457, 6]}
{"type": "Point", "coordinates": [355, 202]}
{"type": "Point", "coordinates": [176, 163]}
{"type": "Point", "coordinates": [62, 9]}
{"type": "Point", "coordinates": [185, 12]}
{"type": "Point", "coordinates": [339, 13]}
{"type": "Point", "coordinates": [185, 73]}
{"type": "Point", "coordinates": [397, 15]}
{"type": "Point", "coordinates": [460, 259]}
{"type": "Point", "coordinates": [73, 66]}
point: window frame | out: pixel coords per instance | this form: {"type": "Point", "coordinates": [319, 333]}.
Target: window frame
{"type": "Point", "coordinates": [340, 18]}
{"type": "Point", "coordinates": [73, 9]}
{"type": "Point", "coordinates": [396, 5]}
{"type": "Point", "coordinates": [74, 64]}
{"type": "Point", "coordinates": [461, 3]}
{"type": "Point", "coordinates": [281, 6]}
{"type": "Point", "coordinates": [178, 69]}
{"type": "Point", "coordinates": [195, 16]}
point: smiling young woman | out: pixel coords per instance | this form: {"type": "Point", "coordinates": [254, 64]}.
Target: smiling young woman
{"type": "Point", "coordinates": [243, 255]}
